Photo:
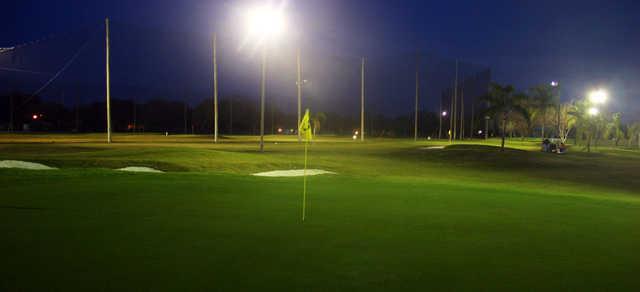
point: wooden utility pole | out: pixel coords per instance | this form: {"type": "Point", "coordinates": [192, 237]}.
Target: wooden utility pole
{"type": "Point", "coordinates": [299, 86]}
{"type": "Point", "coordinates": [415, 118]}
{"type": "Point", "coordinates": [108, 81]}
{"type": "Point", "coordinates": [215, 91]}
{"type": "Point", "coordinates": [262, 93]}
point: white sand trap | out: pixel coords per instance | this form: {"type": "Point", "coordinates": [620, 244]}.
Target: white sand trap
{"type": "Point", "coordinates": [24, 165]}
{"type": "Point", "coordinates": [433, 147]}
{"type": "Point", "coordinates": [140, 169]}
{"type": "Point", "coordinates": [293, 172]}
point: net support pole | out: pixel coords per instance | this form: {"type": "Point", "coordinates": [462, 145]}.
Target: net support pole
{"type": "Point", "coordinates": [415, 118]}
{"type": "Point", "coordinates": [262, 96]}
{"type": "Point", "coordinates": [108, 80]}
{"type": "Point", "coordinates": [299, 87]}
{"type": "Point", "coordinates": [215, 91]}
{"type": "Point", "coordinates": [362, 100]}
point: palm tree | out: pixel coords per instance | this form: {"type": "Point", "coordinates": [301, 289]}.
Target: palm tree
{"type": "Point", "coordinates": [544, 99]}
{"type": "Point", "coordinates": [634, 133]}
{"type": "Point", "coordinates": [615, 128]}
{"type": "Point", "coordinates": [504, 102]}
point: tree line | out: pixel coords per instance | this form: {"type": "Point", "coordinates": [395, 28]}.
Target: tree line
{"type": "Point", "coordinates": [238, 115]}
{"type": "Point", "coordinates": [539, 112]}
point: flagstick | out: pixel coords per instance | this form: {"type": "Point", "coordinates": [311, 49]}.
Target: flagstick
{"type": "Point", "coordinates": [304, 188]}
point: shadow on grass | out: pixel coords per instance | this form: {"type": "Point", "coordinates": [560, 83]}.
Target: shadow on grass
{"type": "Point", "coordinates": [596, 169]}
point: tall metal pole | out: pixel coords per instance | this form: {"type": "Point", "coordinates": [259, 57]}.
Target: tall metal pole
{"type": "Point", "coordinates": [299, 85]}
{"type": "Point", "coordinates": [462, 111]}
{"type": "Point", "coordinates": [108, 81]}
{"type": "Point", "coordinates": [262, 93]}
{"type": "Point", "coordinates": [440, 120]}
{"type": "Point", "coordinates": [215, 91]}
{"type": "Point", "coordinates": [362, 100]}
{"type": "Point", "coordinates": [455, 104]}
{"type": "Point", "coordinates": [451, 115]}
{"type": "Point", "coordinates": [10, 128]}
{"type": "Point", "coordinates": [415, 118]}
{"type": "Point", "coordinates": [472, 121]}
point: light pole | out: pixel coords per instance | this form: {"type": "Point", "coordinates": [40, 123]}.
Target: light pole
{"type": "Point", "coordinates": [264, 23]}
{"type": "Point", "coordinates": [555, 86]}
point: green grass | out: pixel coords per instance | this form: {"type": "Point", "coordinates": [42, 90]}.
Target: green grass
{"type": "Point", "coordinates": [396, 217]}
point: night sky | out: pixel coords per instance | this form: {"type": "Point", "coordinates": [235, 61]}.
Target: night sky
{"type": "Point", "coordinates": [581, 44]}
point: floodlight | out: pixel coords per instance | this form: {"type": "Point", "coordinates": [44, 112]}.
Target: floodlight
{"type": "Point", "coordinates": [265, 21]}
{"type": "Point", "coordinates": [598, 96]}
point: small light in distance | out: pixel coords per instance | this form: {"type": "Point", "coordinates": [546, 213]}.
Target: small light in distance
{"type": "Point", "coordinates": [35, 117]}
{"type": "Point", "coordinates": [279, 130]}
{"type": "Point", "coordinates": [355, 137]}
{"type": "Point", "coordinates": [554, 83]}
{"type": "Point", "coordinates": [356, 132]}
{"type": "Point", "coordinates": [444, 114]}
{"type": "Point", "coordinates": [594, 111]}
{"type": "Point", "coordinates": [479, 132]}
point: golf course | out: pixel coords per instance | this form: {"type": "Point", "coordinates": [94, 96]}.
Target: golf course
{"type": "Point", "coordinates": [396, 215]}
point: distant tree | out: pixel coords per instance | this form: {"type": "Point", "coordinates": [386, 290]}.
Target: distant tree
{"type": "Point", "coordinates": [544, 99]}
{"type": "Point", "coordinates": [589, 126]}
{"type": "Point", "coordinates": [503, 102]}
{"type": "Point", "coordinates": [633, 131]}
{"type": "Point", "coordinates": [318, 119]}
{"type": "Point", "coordinates": [567, 121]}
{"type": "Point", "coordinates": [615, 129]}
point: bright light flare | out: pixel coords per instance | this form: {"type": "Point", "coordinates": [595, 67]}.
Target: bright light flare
{"type": "Point", "coordinates": [554, 83]}
{"type": "Point", "coordinates": [35, 117]}
{"type": "Point", "coordinates": [593, 111]}
{"type": "Point", "coordinates": [265, 21]}
{"type": "Point", "coordinates": [444, 114]}
{"type": "Point", "coordinates": [598, 96]}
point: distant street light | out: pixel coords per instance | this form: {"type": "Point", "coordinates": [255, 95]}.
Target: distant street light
{"type": "Point", "coordinates": [444, 113]}
{"type": "Point", "coordinates": [554, 83]}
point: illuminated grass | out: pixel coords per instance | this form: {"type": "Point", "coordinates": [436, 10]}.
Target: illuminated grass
{"type": "Point", "coordinates": [396, 218]}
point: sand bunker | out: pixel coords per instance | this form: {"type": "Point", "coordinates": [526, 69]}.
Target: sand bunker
{"type": "Point", "coordinates": [140, 169]}
{"type": "Point", "coordinates": [293, 172]}
{"type": "Point", "coordinates": [433, 147]}
{"type": "Point", "coordinates": [24, 165]}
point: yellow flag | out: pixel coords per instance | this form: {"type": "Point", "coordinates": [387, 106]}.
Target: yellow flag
{"type": "Point", "coordinates": [305, 127]}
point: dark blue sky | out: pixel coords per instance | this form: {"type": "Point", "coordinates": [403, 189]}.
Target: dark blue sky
{"type": "Point", "coordinates": [582, 44]}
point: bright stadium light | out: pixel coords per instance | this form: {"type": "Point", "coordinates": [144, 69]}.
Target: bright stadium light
{"type": "Point", "coordinates": [593, 111]}
{"type": "Point", "coordinates": [265, 21]}
{"type": "Point", "coordinates": [598, 96]}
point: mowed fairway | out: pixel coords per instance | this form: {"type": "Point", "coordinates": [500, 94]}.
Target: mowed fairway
{"type": "Point", "coordinates": [397, 216]}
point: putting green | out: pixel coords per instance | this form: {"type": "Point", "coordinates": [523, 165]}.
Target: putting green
{"type": "Point", "coordinates": [396, 218]}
